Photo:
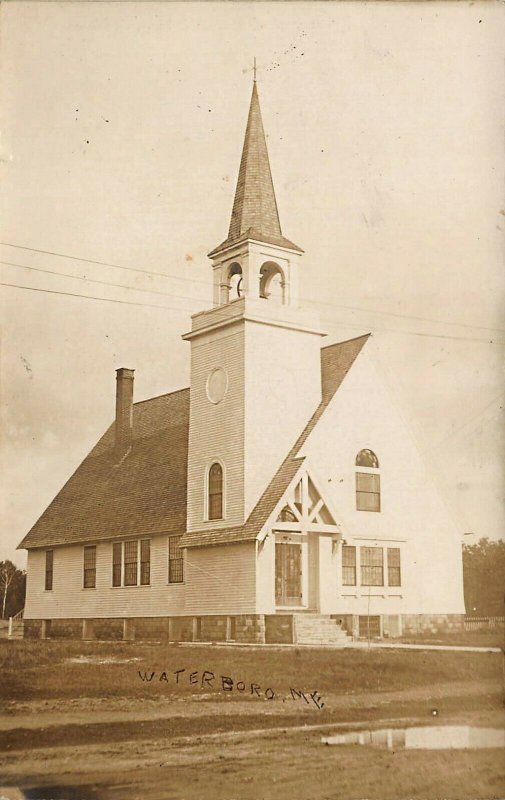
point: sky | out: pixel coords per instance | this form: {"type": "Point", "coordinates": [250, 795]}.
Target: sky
{"type": "Point", "coordinates": [122, 126]}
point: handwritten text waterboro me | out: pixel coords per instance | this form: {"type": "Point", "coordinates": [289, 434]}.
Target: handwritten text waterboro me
{"type": "Point", "coordinates": [224, 683]}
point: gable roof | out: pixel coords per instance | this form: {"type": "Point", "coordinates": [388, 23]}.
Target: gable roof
{"type": "Point", "coordinates": [336, 361]}
{"type": "Point", "coordinates": [143, 494]}
{"type": "Point", "coordinates": [255, 214]}
{"type": "Point", "coordinates": [146, 492]}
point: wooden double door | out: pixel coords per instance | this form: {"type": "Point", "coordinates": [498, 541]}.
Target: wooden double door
{"type": "Point", "coordinates": [288, 574]}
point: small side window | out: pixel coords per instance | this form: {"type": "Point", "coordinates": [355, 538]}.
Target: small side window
{"type": "Point", "coordinates": [49, 570]}
{"type": "Point", "coordinates": [89, 577]}
{"type": "Point", "coordinates": [175, 560]}
{"type": "Point", "coordinates": [145, 562]}
{"type": "Point", "coordinates": [394, 570]}
{"type": "Point", "coordinates": [116, 563]}
{"type": "Point", "coordinates": [348, 565]}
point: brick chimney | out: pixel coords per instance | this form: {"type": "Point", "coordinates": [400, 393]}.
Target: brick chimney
{"type": "Point", "coordinates": [124, 411]}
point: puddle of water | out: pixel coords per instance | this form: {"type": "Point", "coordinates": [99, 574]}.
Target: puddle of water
{"type": "Point", "coordinates": [48, 793]}
{"type": "Point", "coordinates": [429, 737]}
{"type": "Point", "coordinates": [99, 660]}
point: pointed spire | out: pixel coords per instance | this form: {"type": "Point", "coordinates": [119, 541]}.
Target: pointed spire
{"type": "Point", "coordinates": [255, 214]}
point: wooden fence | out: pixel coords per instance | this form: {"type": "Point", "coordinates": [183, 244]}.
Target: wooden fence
{"type": "Point", "coordinates": [481, 623]}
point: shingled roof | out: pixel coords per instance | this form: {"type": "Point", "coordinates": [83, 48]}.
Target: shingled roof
{"type": "Point", "coordinates": [144, 494]}
{"type": "Point", "coordinates": [336, 361]}
{"type": "Point", "coordinates": [255, 214]}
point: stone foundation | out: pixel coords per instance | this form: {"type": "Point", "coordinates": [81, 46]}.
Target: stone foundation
{"type": "Point", "coordinates": [32, 628]}
{"type": "Point", "coordinates": [415, 624]}
{"type": "Point", "coordinates": [214, 629]}
{"type": "Point", "coordinates": [108, 629]}
{"type": "Point", "coordinates": [157, 628]}
{"type": "Point", "coordinates": [250, 628]}
{"type": "Point", "coordinates": [395, 625]}
{"type": "Point", "coordinates": [279, 628]}
{"type": "Point", "coordinates": [247, 628]}
{"type": "Point", "coordinates": [64, 629]}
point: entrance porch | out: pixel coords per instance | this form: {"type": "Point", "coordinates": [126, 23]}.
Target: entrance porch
{"type": "Point", "coordinates": [306, 552]}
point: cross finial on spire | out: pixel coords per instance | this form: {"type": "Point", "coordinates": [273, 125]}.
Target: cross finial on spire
{"type": "Point", "coordinates": [254, 70]}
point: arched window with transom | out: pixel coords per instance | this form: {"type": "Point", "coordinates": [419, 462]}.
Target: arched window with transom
{"type": "Point", "coordinates": [368, 491]}
{"type": "Point", "coordinates": [215, 489]}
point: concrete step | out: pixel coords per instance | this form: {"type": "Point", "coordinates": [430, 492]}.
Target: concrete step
{"type": "Point", "coordinates": [319, 629]}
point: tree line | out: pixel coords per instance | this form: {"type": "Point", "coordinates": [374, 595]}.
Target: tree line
{"type": "Point", "coordinates": [484, 578]}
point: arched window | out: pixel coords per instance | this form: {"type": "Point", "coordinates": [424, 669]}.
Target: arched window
{"type": "Point", "coordinates": [368, 492]}
{"type": "Point", "coordinates": [367, 458]}
{"type": "Point", "coordinates": [215, 508]}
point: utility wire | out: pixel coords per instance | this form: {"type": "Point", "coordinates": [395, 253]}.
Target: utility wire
{"type": "Point", "coordinates": [104, 283]}
{"type": "Point", "coordinates": [206, 283]}
{"type": "Point", "coordinates": [104, 263]}
{"type": "Point", "coordinates": [406, 316]}
{"type": "Point", "coordinates": [91, 297]}
{"type": "Point", "coordinates": [331, 324]}
{"type": "Point", "coordinates": [178, 308]}
{"type": "Point", "coordinates": [465, 424]}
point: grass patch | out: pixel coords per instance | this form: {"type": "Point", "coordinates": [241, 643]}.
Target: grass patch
{"type": "Point", "coordinates": [43, 669]}
{"type": "Point", "coordinates": [493, 637]}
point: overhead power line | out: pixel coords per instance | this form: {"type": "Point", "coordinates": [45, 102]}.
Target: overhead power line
{"type": "Point", "coordinates": [406, 316]}
{"type": "Point", "coordinates": [103, 283]}
{"type": "Point", "coordinates": [178, 308]}
{"type": "Point", "coordinates": [206, 283]}
{"type": "Point", "coordinates": [403, 332]}
{"type": "Point", "coordinates": [104, 263]}
{"type": "Point", "coordinates": [92, 297]}
{"type": "Point", "coordinates": [467, 422]}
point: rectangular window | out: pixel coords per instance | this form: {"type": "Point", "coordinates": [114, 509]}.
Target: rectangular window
{"type": "Point", "coordinates": [49, 570]}
{"type": "Point", "coordinates": [89, 581]}
{"type": "Point", "coordinates": [348, 566]}
{"type": "Point", "coordinates": [369, 627]}
{"type": "Point", "coordinates": [175, 560]}
{"type": "Point", "coordinates": [145, 562]}
{"type": "Point", "coordinates": [130, 563]}
{"type": "Point", "coordinates": [372, 566]}
{"type": "Point", "coordinates": [117, 548]}
{"type": "Point", "coordinates": [368, 489]}
{"type": "Point", "coordinates": [394, 573]}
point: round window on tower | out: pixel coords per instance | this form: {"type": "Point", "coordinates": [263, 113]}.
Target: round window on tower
{"type": "Point", "coordinates": [217, 385]}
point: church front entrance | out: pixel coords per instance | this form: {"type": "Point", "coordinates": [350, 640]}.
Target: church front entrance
{"type": "Point", "coordinates": [288, 574]}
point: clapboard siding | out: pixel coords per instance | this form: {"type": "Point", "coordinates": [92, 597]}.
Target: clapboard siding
{"type": "Point", "coordinates": [282, 391]}
{"type": "Point", "coordinates": [265, 577]}
{"type": "Point", "coordinates": [217, 430]}
{"type": "Point", "coordinates": [68, 598]}
{"type": "Point", "coordinates": [221, 580]}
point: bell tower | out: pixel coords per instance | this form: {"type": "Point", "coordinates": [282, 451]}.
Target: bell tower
{"type": "Point", "coordinates": [256, 260]}
{"type": "Point", "coordinates": [255, 356]}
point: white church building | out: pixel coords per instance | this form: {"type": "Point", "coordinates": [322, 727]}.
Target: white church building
{"type": "Point", "coordinates": [279, 498]}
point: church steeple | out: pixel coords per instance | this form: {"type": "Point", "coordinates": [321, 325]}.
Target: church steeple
{"type": "Point", "coordinates": [255, 215]}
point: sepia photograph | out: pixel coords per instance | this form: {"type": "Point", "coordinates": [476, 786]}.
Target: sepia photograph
{"type": "Point", "coordinates": [252, 536]}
